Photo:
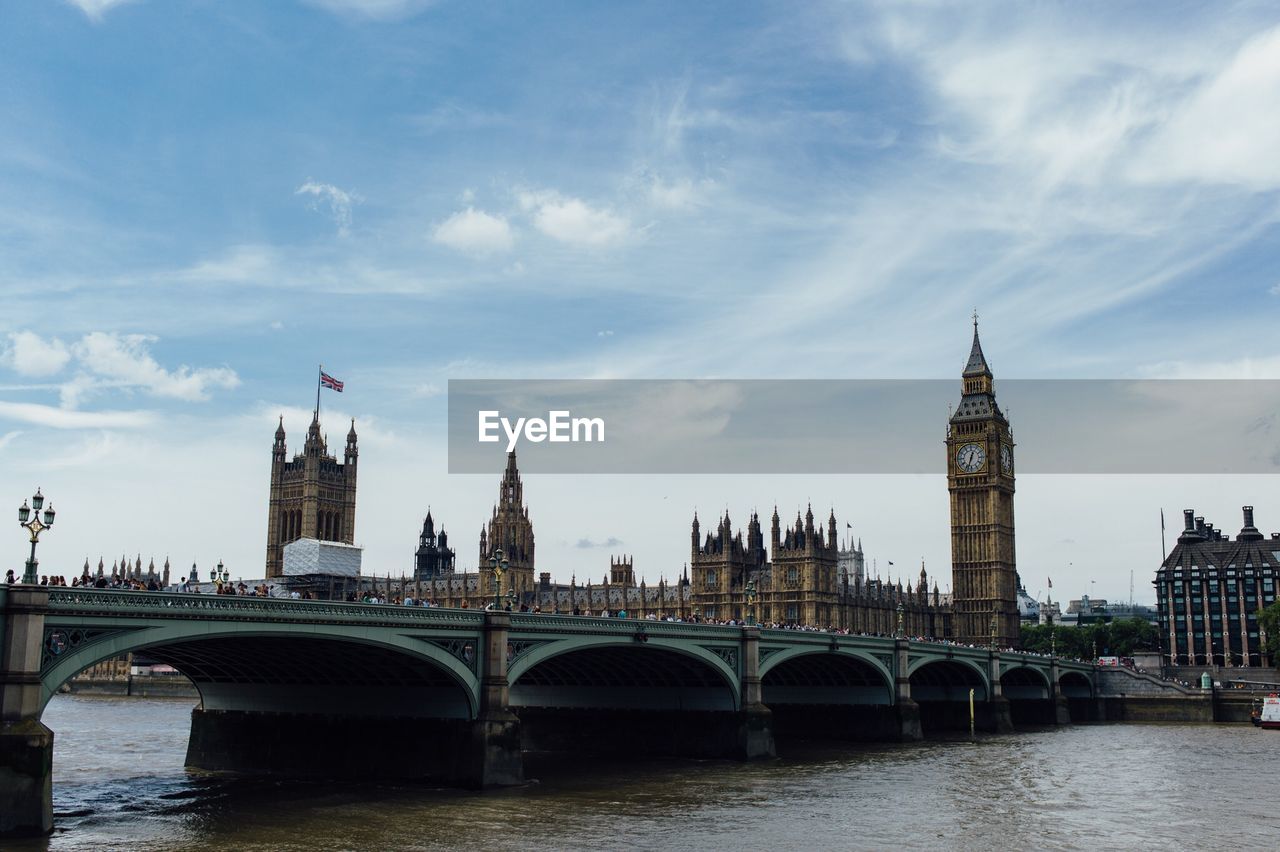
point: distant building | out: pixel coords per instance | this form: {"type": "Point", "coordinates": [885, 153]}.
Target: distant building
{"type": "Point", "coordinates": [312, 496]}
{"type": "Point", "coordinates": [1209, 591]}
{"type": "Point", "coordinates": [510, 531]}
{"type": "Point", "coordinates": [1028, 607]}
{"type": "Point", "coordinates": [433, 558]}
{"type": "Point", "coordinates": [852, 564]}
{"type": "Point", "coordinates": [801, 583]}
{"type": "Point", "coordinates": [1050, 611]}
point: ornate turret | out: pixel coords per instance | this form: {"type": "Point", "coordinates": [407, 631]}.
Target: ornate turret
{"type": "Point", "coordinates": [312, 496]}
{"type": "Point", "coordinates": [511, 530]}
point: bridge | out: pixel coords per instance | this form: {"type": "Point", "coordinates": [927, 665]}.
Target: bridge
{"type": "Point", "coordinates": [457, 696]}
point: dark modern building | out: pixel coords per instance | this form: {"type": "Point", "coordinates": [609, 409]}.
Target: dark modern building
{"type": "Point", "coordinates": [1210, 590]}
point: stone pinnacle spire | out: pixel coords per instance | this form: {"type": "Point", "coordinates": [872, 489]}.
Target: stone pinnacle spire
{"type": "Point", "coordinates": [977, 364]}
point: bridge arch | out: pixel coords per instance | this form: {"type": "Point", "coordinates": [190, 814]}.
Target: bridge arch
{"type": "Point", "coordinates": [277, 669]}
{"type": "Point", "coordinates": [817, 676]}
{"type": "Point", "coordinates": [1025, 683]}
{"type": "Point", "coordinates": [947, 679]}
{"type": "Point", "coordinates": [1075, 685]}
{"type": "Point", "coordinates": [620, 672]}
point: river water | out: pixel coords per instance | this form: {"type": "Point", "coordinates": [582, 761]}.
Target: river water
{"type": "Point", "coordinates": [119, 783]}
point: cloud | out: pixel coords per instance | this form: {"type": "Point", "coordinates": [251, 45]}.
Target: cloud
{"type": "Point", "coordinates": [339, 202]}
{"type": "Point", "coordinates": [475, 232]}
{"type": "Point", "coordinates": [1228, 129]}
{"type": "Point", "coordinates": [31, 355]}
{"type": "Point", "coordinates": [94, 10]}
{"type": "Point", "coordinates": [586, 543]}
{"type": "Point", "coordinates": [573, 221]}
{"type": "Point", "coordinates": [374, 10]}
{"type": "Point", "coordinates": [453, 117]}
{"type": "Point", "coordinates": [683, 194]}
{"type": "Point", "coordinates": [63, 418]}
{"type": "Point", "coordinates": [124, 361]}
{"type": "Point", "coordinates": [1264, 367]}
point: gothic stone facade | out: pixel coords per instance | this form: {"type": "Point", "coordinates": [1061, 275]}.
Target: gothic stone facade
{"type": "Point", "coordinates": [803, 583]}
{"type": "Point", "coordinates": [312, 496]}
{"type": "Point", "coordinates": [984, 577]}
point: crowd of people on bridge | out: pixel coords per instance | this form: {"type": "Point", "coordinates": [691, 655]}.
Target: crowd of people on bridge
{"type": "Point", "coordinates": [386, 597]}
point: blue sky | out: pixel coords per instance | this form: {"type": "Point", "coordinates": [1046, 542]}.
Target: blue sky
{"type": "Point", "coordinates": [200, 201]}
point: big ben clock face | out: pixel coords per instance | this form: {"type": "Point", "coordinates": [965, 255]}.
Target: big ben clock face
{"type": "Point", "coordinates": [1006, 458]}
{"type": "Point", "coordinates": [971, 457]}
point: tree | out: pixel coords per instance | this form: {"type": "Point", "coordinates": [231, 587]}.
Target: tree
{"type": "Point", "coordinates": [1269, 621]}
{"type": "Point", "coordinates": [1117, 638]}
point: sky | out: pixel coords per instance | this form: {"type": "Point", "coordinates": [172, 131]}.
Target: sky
{"type": "Point", "coordinates": [202, 201]}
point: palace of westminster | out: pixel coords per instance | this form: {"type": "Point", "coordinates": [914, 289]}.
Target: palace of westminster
{"type": "Point", "coordinates": [804, 576]}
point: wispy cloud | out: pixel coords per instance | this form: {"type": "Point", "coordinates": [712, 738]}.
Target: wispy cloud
{"type": "Point", "coordinates": [94, 10]}
{"type": "Point", "coordinates": [588, 544]}
{"type": "Point", "coordinates": [374, 10]}
{"type": "Point", "coordinates": [1228, 129]}
{"type": "Point", "coordinates": [1264, 367]}
{"type": "Point", "coordinates": [62, 418]}
{"type": "Point", "coordinates": [475, 232]}
{"type": "Point", "coordinates": [338, 201]}
{"type": "Point", "coordinates": [457, 117]}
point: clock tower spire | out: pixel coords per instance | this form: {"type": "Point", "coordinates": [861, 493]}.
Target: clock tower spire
{"type": "Point", "coordinates": [981, 482]}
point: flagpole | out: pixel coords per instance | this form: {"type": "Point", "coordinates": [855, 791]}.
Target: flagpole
{"type": "Point", "coordinates": [1164, 554]}
{"type": "Point", "coordinates": [319, 372]}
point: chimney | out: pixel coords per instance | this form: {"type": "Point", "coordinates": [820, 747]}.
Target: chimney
{"type": "Point", "coordinates": [1249, 532]}
{"type": "Point", "coordinates": [1193, 530]}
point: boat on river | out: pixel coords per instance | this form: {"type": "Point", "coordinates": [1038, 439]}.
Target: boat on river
{"type": "Point", "coordinates": [1270, 717]}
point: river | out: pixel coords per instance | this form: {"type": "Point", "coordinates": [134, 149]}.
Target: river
{"type": "Point", "coordinates": [119, 783]}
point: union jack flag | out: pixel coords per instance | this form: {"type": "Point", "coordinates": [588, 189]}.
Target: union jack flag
{"type": "Point", "coordinates": [329, 381]}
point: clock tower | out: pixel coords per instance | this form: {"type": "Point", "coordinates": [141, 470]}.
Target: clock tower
{"type": "Point", "coordinates": [980, 478]}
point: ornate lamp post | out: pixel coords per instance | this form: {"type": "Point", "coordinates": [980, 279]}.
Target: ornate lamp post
{"type": "Point", "coordinates": [902, 630]}
{"type": "Point", "coordinates": [1053, 640]}
{"type": "Point", "coordinates": [994, 623]}
{"type": "Point", "coordinates": [749, 592]}
{"type": "Point", "coordinates": [498, 562]}
{"type": "Point", "coordinates": [34, 527]}
{"type": "Point", "coordinates": [512, 597]}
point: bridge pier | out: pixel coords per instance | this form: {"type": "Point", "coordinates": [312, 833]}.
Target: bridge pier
{"type": "Point", "coordinates": [906, 710]}
{"type": "Point", "coordinates": [1001, 715]}
{"type": "Point", "coordinates": [755, 727]}
{"type": "Point", "coordinates": [26, 745]}
{"type": "Point", "coordinates": [1061, 709]}
{"type": "Point", "coordinates": [494, 758]}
